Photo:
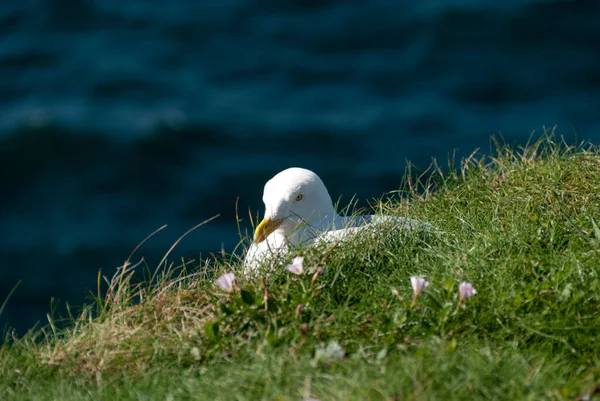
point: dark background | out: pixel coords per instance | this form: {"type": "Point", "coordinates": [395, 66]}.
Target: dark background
{"type": "Point", "coordinates": [117, 117]}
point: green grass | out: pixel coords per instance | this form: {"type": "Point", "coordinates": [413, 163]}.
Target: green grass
{"type": "Point", "coordinates": [520, 224]}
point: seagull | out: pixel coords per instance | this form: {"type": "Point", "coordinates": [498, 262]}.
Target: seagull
{"type": "Point", "coordinates": [299, 211]}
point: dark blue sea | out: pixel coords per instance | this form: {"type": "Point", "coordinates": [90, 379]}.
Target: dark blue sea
{"type": "Point", "coordinates": [117, 117]}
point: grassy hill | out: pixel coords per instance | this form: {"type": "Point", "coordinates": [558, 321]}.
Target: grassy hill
{"type": "Point", "coordinates": [521, 225]}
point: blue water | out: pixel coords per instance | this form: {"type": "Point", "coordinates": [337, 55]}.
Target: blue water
{"type": "Point", "coordinates": [117, 117]}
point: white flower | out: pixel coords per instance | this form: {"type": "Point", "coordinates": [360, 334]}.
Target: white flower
{"type": "Point", "coordinates": [226, 282]}
{"type": "Point", "coordinates": [466, 290]}
{"type": "Point", "coordinates": [297, 265]}
{"type": "Point", "coordinates": [333, 350]}
{"type": "Point", "coordinates": [418, 284]}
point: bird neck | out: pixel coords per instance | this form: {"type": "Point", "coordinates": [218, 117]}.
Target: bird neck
{"type": "Point", "coordinates": [298, 232]}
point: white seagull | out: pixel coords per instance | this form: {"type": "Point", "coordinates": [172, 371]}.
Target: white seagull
{"type": "Point", "coordinates": [298, 211]}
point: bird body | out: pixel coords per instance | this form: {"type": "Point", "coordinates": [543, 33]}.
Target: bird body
{"type": "Point", "coordinates": [299, 211]}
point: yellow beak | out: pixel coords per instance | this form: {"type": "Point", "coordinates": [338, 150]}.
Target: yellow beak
{"type": "Point", "coordinates": [265, 228]}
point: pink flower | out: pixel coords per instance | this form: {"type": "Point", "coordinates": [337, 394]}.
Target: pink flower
{"type": "Point", "coordinates": [226, 282]}
{"type": "Point", "coordinates": [297, 265]}
{"type": "Point", "coordinates": [466, 290]}
{"type": "Point", "coordinates": [418, 285]}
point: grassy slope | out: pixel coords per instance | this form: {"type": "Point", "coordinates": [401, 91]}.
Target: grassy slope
{"type": "Point", "coordinates": [518, 225]}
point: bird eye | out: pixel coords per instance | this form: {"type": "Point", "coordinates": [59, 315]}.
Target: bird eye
{"type": "Point", "coordinates": [299, 197]}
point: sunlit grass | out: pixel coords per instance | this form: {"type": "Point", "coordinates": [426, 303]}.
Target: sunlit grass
{"type": "Point", "coordinates": [521, 225]}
